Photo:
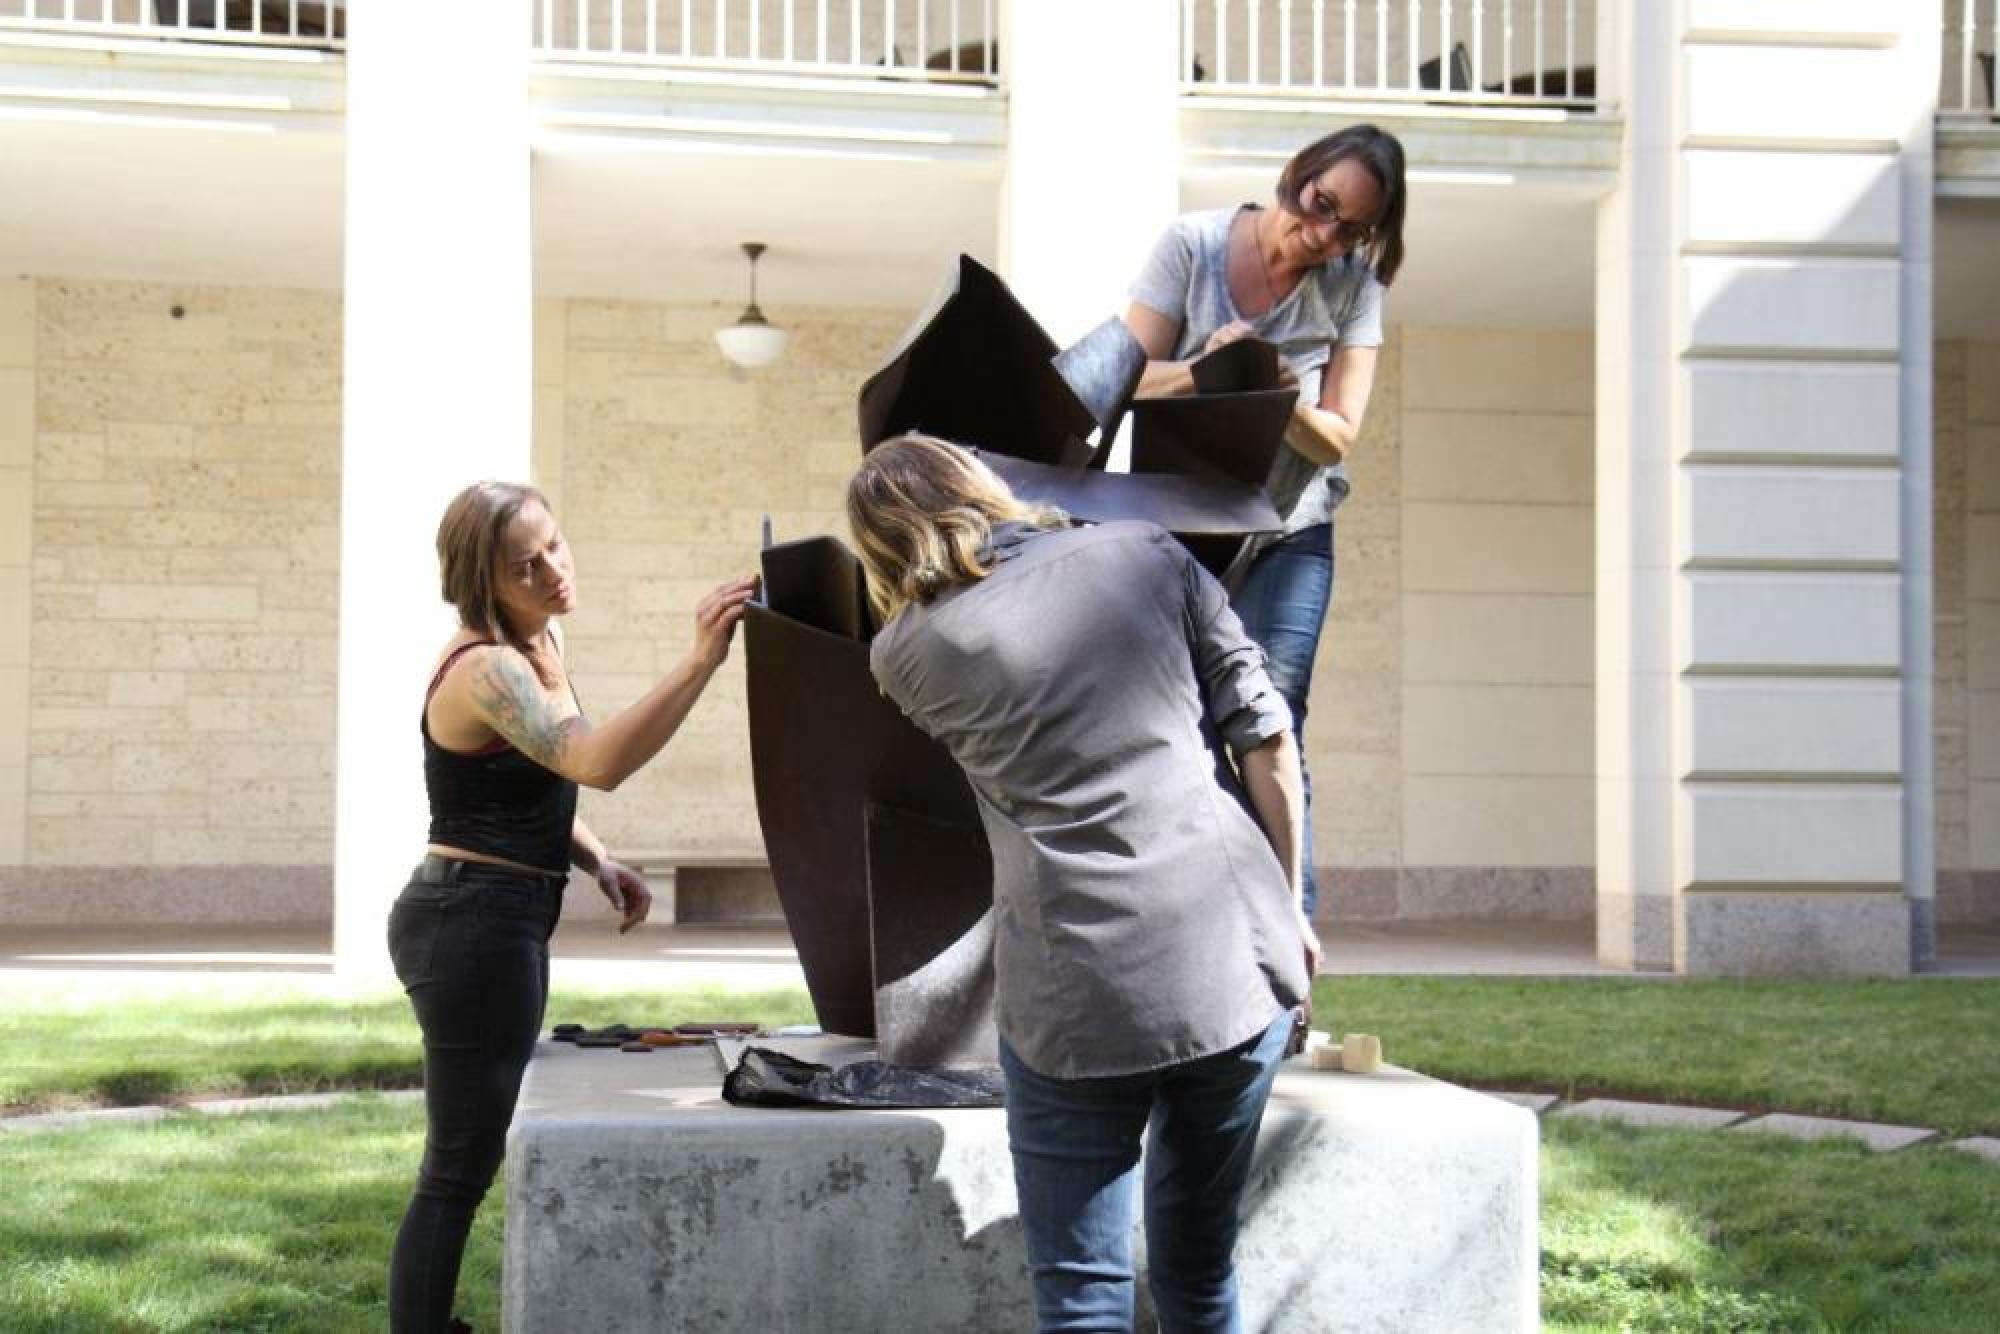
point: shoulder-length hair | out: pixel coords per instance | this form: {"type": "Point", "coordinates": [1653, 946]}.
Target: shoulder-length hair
{"type": "Point", "coordinates": [1382, 154]}
{"type": "Point", "coordinates": [470, 543]}
{"type": "Point", "coordinates": [922, 512]}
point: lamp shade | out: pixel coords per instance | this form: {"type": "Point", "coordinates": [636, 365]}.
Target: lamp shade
{"type": "Point", "coordinates": [751, 345]}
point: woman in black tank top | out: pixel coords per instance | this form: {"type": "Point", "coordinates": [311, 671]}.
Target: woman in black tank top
{"type": "Point", "coordinates": [505, 746]}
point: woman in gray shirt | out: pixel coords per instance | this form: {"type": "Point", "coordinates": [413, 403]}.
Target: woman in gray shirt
{"type": "Point", "coordinates": [1095, 687]}
{"type": "Point", "coordinates": [1308, 276]}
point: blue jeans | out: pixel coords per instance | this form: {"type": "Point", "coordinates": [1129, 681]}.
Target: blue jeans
{"type": "Point", "coordinates": [1076, 1157]}
{"type": "Point", "coordinates": [471, 946]}
{"type": "Point", "coordinates": [1283, 601]}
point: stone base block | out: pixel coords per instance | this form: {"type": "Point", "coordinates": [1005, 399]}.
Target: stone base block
{"type": "Point", "coordinates": [637, 1199]}
{"type": "Point", "coordinates": [1757, 934]}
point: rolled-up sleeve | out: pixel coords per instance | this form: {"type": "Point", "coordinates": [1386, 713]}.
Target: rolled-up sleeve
{"type": "Point", "coordinates": [1244, 705]}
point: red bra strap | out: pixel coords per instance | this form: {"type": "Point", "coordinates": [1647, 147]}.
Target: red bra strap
{"type": "Point", "coordinates": [445, 666]}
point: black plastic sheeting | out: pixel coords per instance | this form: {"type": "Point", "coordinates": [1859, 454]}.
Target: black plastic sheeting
{"type": "Point", "coordinates": [766, 1078]}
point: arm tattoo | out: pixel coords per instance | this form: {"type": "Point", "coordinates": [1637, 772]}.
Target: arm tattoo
{"type": "Point", "coordinates": [512, 698]}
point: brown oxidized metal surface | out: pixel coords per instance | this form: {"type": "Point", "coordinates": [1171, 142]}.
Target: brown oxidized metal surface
{"type": "Point", "coordinates": [975, 368]}
{"type": "Point", "coordinates": [824, 744]}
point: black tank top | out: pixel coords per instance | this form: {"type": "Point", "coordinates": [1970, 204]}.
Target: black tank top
{"type": "Point", "coordinates": [496, 800]}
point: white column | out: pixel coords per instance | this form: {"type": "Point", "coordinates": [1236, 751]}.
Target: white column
{"type": "Point", "coordinates": [438, 392]}
{"type": "Point", "coordinates": [1093, 152]}
{"type": "Point", "coordinates": [1635, 365]}
{"type": "Point", "coordinates": [1771, 644]}
{"type": "Point", "coordinates": [1919, 46]}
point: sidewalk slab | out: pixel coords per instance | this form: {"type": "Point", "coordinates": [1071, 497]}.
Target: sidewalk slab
{"type": "Point", "coordinates": [1984, 1145]}
{"type": "Point", "coordinates": [73, 1120]}
{"type": "Point", "coordinates": [295, 1102]}
{"type": "Point", "coordinates": [1877, 1136]}
{"type": "Point", "coordinates": [1534, 1102]}
{"type": "Point", "coordinates": [1666, 1114]}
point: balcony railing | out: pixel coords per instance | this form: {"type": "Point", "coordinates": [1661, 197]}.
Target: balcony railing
{"type": "Point", "coordinates": [1971, 35]}
{"type": "Point", "coordinates": [314, 23]}
{"type": "Point", "coordinates": [1534, 53]}
{"type": "Point", "coordinates": [948, 41]}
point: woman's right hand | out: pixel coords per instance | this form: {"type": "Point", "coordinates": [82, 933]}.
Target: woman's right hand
{"type": "Point", "coordinates": [715, 618]}
{"type": "Point", "coordinates": [1226, 335]}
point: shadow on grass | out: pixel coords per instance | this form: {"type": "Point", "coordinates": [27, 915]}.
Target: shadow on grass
{"type": "Point", "coordinates": [136, 1088]}
{"type": "Point", "coordinates": [1694, 1231]}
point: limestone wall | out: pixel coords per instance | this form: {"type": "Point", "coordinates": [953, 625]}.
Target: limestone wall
{"type": "Point", "coordinates": [168, 500]}
{"type": "Point", "coordinates": [184, 475]}
{"type": "Point", "coordinates": [1451, 725]}
{"type": "Point", "coordinates": [1966, 510]}
{"type": "Point", "coordinates": [664, 461]}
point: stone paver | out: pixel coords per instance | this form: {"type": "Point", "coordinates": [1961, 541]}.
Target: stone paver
{"type": "Point", "coordinates": [293, 1102]}
{"type": "Point", "coordinates": [1984, 1145]}
{"type": "Point", "coordinates": [1534, 1102]}
{"type": "Point", "coordinates": [287, 1102]}
{"type": "Point", "coordinates": [1877, 1136]}
{"type": "Point", "coordinates": [1653, 1114]}
{"type": "Point", "coordinates": [71, 1120]}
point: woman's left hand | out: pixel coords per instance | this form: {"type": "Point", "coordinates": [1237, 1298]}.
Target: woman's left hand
{"type": "Point", "coordinates": [1310, 938]}
{"type": "Point", "coordinates": [1227, 334]}
{"type": "Point", "coordinates": [626, 889]}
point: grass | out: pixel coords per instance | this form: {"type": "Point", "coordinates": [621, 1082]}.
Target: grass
{"type": "Point", "coordinates": [1919, 1052]}
{"type": "Point", "coordinates": [1686, 1231]}
{"type": "Point", "coordinates": [259, 1222]}
{"type": "Point", "coordinates": [168, 1050]}
{"type": "Point", "coordinates": [1922, 1052]}
{"type": "Point", "coordinates": [284, 1222]}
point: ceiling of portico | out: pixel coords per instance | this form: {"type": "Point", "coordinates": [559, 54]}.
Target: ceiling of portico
{"type": "Point", "coordinates": [663, 221]}
{"type": "Point", "coordinates": [101, 198]}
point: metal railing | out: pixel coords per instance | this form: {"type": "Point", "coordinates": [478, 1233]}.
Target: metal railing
{"type": "Point", "coordinates": [313, 23]}
{"type": "Point", "coordinates": [948, 41]}
{"type": "Point", "coordinates": [1966, 82]}
{"type": "Point", "coordinates": [1477, 52]}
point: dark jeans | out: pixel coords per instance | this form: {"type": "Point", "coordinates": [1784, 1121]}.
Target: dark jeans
{"type": "Point", "coordinates": [1283, 600]}
{"type": "Point", "coordinates": [1076, 1155]}
{"type": "Point", "coordinates": [471, 947]}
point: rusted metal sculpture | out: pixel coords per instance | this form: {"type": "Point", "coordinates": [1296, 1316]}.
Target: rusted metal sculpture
{"type": "Point", "coordinates": [873, 834]}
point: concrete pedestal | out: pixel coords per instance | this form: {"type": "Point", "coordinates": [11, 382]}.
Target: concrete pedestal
{"type": "Point", "coordinates": [637, 1199]}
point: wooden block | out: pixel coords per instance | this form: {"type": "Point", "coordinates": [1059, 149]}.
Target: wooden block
{"type": "Point", "coordinates": [1361, 1053]}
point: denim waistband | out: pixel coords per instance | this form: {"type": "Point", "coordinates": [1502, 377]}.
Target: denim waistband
{"type": "Point", "coordinates": [439, 870]}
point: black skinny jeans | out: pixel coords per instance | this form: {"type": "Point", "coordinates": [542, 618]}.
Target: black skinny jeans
{"type": "Point", "coordinates": [473, 954]}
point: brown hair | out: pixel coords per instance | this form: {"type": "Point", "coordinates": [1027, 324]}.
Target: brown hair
{"type": "Point", "coordinates": [922, 511]}
{"type": "Point", "coordinates": [469, 548]}
{"type": "Point", "coordinates": [1382, 154]}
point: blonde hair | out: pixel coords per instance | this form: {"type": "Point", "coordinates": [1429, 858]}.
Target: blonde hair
{"type": "Point", "coordinates": [469, 543]}
{"type": "Point", "coordinates": [922, 511]}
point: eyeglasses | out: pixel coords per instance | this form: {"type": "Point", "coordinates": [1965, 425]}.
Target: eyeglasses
{"type": "Point", "coordinates": [1316, 207]}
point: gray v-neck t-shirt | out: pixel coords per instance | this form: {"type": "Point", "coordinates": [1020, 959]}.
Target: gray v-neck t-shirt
{"type": "Point", "coordinates": [1340, 303]}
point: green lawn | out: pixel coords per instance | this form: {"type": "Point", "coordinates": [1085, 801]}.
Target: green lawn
{"type": "Point", "coordinates": [1691, 1231]}
{"type": "Point", "coordinates": [284, 1222]}
{"type": "Point", "coordinates": [162, 1051]}
{"type": "Point", "coordinates": [279, 1221]}
{"type": "Point", "coordinates": [1920, 1052]}
{"type": "Point", "coordinates": [1923, 1052]}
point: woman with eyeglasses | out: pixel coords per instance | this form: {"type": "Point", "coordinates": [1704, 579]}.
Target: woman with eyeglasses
{"type": "Point", "coordinates": [1308, 276]}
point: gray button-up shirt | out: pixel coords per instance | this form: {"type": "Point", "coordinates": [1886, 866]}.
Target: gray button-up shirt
{"type": "Point", "coordinates": [1087, 686]}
